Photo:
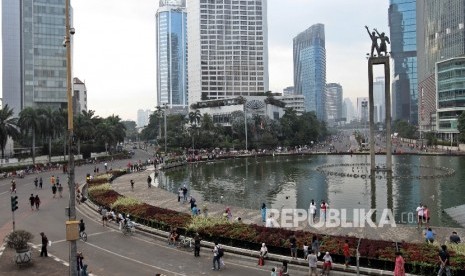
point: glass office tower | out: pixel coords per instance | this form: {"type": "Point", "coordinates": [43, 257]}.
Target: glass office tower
{"type": "Point", "coordinates": [402, 25]}
{"type": "Point", "coordinates": [440, 36]}
{"type": "Point", "coordinates": [334, 97]}
{"type": "Point", "coordinates": [34, 59]}
{"type": "Point", "coordinates": [310, 69]}
{"type": "Point", "coordinates": [171, 21]}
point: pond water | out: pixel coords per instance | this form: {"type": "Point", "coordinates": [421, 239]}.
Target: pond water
{"type": "Point", "coordinates": [293, 181]}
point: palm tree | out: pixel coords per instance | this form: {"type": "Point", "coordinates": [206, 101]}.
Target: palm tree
{"type": "Point", "coordinates": [29, 121]}
{"type": "Point", "coordinates": [8, 127]}
{"type": "Point", "coordinates": [51, 124]}
{"type": "Point", "coordinates": [84, 127]}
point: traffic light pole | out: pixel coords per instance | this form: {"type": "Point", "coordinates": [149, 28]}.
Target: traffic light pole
{"type": "Point", "coordinates": [13, 215]}
{"type": "Point", "coordinates": [14, 207]}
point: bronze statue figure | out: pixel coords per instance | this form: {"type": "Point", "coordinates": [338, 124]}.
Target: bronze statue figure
{"type": "Point", "coordinates": [374, 41]}
{"type": "Point", "coordinates": [382, 48]}
{"type": "Point", "coordinates": [382, 45]}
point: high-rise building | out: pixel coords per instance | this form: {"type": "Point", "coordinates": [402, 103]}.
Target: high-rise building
{"type": "Point", "coordinates": [171, 25]}
{"type": "Point", "coordinates": [450, 75]}
{"type": "Point", "coordinates": [296, 102]}
{"type": "Point", "coordinates": [34, 59]}
{"type": "Point", "coordinates": [288, 91]}
{"type": "Point", "coordinates": [333, 102]}
{"type": "Point", "coordinates": [228, 49]}
{"type": "Point", "coordinates": [79, 96]}
{"type": "Point", "coordinates": [402, 25]}
{"type": "Point", "coordinates": [349, 110]}
{"type": "Point", "coordinates": [440, 36]}
{"type": "Point", "coordinates": [362, 109]}
{"type": "Point", "coordinates": [379, 100]}
{"type": "Point", "coordinates": [143, 117]}
{"type": "Point", "coordinates": [310, 68]}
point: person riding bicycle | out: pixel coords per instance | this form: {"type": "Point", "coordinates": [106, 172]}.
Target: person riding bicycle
{"type": "Point", "coordinates": [82, 226]}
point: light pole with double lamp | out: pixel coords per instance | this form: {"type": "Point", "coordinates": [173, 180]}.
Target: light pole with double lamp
{"type": "Point", "coordinates": [72, 193]}
{"type": "Point", "coordinates": [165, 107]}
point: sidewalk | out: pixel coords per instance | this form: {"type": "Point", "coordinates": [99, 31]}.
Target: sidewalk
{"type": "Point", "coordinates": [164, 199]}
{"type": "Point", "coordinates": [39, 266]}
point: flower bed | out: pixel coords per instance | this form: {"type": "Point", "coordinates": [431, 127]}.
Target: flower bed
{"type": "Point", "coordinates": [420, 258]}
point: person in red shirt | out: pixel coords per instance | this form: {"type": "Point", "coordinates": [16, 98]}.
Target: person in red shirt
{"type": "Point", "coordinates": [346, 251]}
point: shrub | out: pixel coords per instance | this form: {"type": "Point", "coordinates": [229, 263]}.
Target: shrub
{"type": "Point", "coordinates": [18, 239]}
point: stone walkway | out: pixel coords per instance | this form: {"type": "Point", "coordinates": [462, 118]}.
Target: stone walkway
{"type": "Point", "coordinates": [164, 199]}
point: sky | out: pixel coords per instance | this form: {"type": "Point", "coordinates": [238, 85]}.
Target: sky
{"type": "Point", "coordinates": [114, 49]}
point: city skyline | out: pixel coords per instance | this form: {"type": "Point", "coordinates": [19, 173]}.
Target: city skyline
{"type": "Point", "coordinates": [117, 58]}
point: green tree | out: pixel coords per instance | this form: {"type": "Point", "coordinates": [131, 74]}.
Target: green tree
{"type": "Point", "coordinates": [51, 125]}
{"type": "Point", "coordinates": [8, 126]}
{"type": "Point", "coordinates": [404, 129]}
{"type": "Point", "coordinates": [85, 127]}
{"type": "Point", "coordinates": [461, 127]}
{"type": "Point", "coordinates": [131, 130]}
{"type": "Point", "coordinates": [29, 121]}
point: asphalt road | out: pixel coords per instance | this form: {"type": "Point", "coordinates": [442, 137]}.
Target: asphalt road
{"type": "Point", "coordinates": [108, 251]}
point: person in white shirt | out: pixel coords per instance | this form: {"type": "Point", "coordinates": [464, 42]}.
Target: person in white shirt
{"type": "Point", "coordinates": [269, 222]}
{"type": "Point", "coordinates": [420, 213]}
{"type": "Point", "coordinates": [312, 210]}
{"type": "Point", "coordinates": [327, 262]}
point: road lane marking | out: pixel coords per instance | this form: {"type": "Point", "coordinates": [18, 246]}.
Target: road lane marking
{"type": "Point", "coordinates": [133, 260]}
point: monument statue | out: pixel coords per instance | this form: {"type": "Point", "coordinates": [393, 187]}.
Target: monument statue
{"type": "Point", "coordinates": [374, 41]}
{"type": "Point", "coordinates": [382, 47]}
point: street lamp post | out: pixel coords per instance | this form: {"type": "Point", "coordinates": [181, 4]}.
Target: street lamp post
{"type": "Point", "coordinates": [71, 185]}
{"type": "Point", "coordinates": [245, 125]}
{"type": "Point", "coordinates": [164, 113]}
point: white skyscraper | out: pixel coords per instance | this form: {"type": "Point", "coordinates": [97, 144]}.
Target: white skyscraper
{"type": "Point", "coordinates": [379, 100]}
{"type": "Point", "coordinates": [228, 49]}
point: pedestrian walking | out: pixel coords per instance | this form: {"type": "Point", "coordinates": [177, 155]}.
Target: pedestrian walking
{"type": "Point", "coordinates": [327, 263]}
{"type": "Point", "coordinates": [305, 248]}
{"type": "Point", "coordinates": [149, 181]}
{"type": "Point", "coordinates": [36, 182]}
{"type": "Point", "coordinates": [426, 216]}
{"type": "Point", "coordinates": [40, 182]}
{"type": "Point", "coordinates": [32, 201]}
{"type": "Point", "coordinates": [312, 264]}
{"type": "Point", "coordinates": [420, 212]}
{"type": "Point", "coordinates": [263, 209]}
{"type": "Point", "coordinates": [60, 190]}
{"type": "Point", "coordinates": [293, 244]}
{"type": "Point", "coordinates": [346, 251]}
{"type": "Point", "coordinates": [104, 216]}
{"type": "Point", "coordinates": [179, 194]}
{"type": "Point", "coordinates": [184, 193]}
{"type": "Point", "coordinates": [43, 251]}
{"type": "Point", "coordinates": [57, 180]}
{"type": "Point", "coordinates": [444, 258]}
{"type": "Point", "coordinates": [197, 241]}
{"type": "Point", "coordinates": [132, 184]}
{"type": "Point", "coordinates": [312, 209]}
{"type": "Point", "coordinates": [323, 210]}
{"type": "Point", "coordinates": [216, 257]}
{"type": "Point", "coordinates": [79, 258]}
{"type": "Point", "coordinates": [399, 269]}
{"type": "Point", "coordinates": [54, 190]}
{"type": "Point", "coordinates": [52, 180]}
{"type": "Point", "coordinates": [316, 245]}
{"type": "Point", "coordinates": [263, 254]}
{"type": "Point", "coordinates": [13, 186]}
{"type": "Point", "coordinates": [37, 202]}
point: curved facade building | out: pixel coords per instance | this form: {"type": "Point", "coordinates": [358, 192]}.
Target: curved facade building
{"type": "Point", "coordinates": [171, 20]}
{"type": "Point", "coordinates": [310, 69]}
{"type": "Point", "coordinates": [440, 36]}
